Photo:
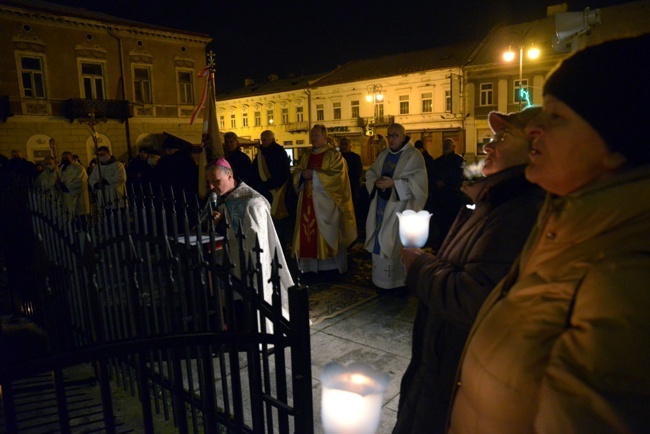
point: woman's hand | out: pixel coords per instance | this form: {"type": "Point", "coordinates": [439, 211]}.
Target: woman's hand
{"type": "Point", "coordinates": [408, 256]}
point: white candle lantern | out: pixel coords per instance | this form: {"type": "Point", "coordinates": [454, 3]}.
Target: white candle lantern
{"type": "Point", "coordinates": [352, 398]}
{"type": "Point", "coordinates": [413, 227]}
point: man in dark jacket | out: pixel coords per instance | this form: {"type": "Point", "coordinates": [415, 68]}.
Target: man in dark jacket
{"type": "Point", "coordinates": [445, 196]}
{"type": "Point", "coordinates": [354, 171]}
{"type": "Point", "coordinates": [177, 170]}
{"type": "Point", "coordinates": [476, 254]}
{"type": "Point", "coordinates": [271, 170]}
{"type": "Point", "coordinates": [136, 170]}
{"type": "Point", "coordinates": [240, 162]}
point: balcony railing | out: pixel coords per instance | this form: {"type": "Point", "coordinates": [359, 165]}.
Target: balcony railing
{"type": "Point", "coordinates": [295, 127]}
{"type": "Point", "coordinates": [375, 120]}
{"type": "Point", "coordinates": [103, 108]}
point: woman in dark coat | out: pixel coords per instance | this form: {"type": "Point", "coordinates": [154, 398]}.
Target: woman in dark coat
{"type": "Point", "coordinates": [476, 254]}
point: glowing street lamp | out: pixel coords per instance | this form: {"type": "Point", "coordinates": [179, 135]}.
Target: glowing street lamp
{"type": "Point", "coordinates": [532, 53]}
{"type": "Point", "coordinates": [374, 93]}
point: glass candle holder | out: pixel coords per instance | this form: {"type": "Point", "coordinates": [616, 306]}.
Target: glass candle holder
{"type": "Point", "coordinates": [414, 227]}
{"type": "Point", "coordinates": [351, 398]}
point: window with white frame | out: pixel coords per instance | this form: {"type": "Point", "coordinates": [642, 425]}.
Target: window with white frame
{"type": "Point", "coordinates": [244, 119]}
{"type": "Point", "coordinates": [33, 78]}
{"type": "Point", "coordinates": [92, 79]}
{"type": "Point", "coordinates": [300, 114]}
{"type": "Point", "coordinates": [320, 112]}
{"type": "Point", "coordinates": [486, 96]}
{"type": "Point", "coordinates": [222, 122]}
{"type": "Point", "coordinates": [427, 102]}
{"type": "Point", "coordinates": [448, 101]}
{"type": "Point", "coordinates": [258, 119]}
{"type": "Point", "coordinates": [285, 115]}
{"type": "Point", "coordinates": [403, 104]}
{"type": "Point", "coordinates": [142, 84]}
{"type": "Point", "coordinates": [233, 121]}
{"type": "Point", "coordinates": [354, 109]}
{"type": "Point", "coordinates": [519, 87]}
{"type": "Point", "coordinates": [379, 109]}
{"type": "Point", "coordinates": [337, 110]}
{"type": "Point", "coordinates": [269, 117]}
{"type": "Point", "coordinates": [185, 87]}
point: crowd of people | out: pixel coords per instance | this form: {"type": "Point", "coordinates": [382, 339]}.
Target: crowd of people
{"type": "Point", "coordinates": [532, 311]}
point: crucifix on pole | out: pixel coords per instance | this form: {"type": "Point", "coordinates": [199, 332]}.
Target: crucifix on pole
{"type": "Point", "coordinates": [91, 121]}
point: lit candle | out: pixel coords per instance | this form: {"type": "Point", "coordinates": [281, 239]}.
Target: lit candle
{"type": "Point", "coordinates": [352, 398]}
{"type": "Point", "coordinates": [413, 227]}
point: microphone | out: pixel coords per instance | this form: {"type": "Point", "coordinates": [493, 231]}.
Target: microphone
{"type": "Point", "coordinates": [214, 198]}
{"type": "Point", "coordinates": [210, 206]}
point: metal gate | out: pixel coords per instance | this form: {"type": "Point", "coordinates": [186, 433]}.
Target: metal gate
{"type": "Point", "coordinates": [150, 300]}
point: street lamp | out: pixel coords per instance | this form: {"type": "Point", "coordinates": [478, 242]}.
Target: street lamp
{"type": "Point", "coordinates": [374, 95]}
{"type": "Point", "coordinates": [521, 39]}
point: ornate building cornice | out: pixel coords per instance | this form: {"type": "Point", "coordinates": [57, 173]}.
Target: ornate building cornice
{"type": "Point", "coordinates": [135, 30]}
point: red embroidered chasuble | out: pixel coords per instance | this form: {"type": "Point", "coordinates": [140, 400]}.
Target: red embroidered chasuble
{"type": "Point", "coordinates": [308, 225]}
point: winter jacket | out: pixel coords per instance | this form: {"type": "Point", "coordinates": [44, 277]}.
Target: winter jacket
{"type": "Point", "coordinates": [562, 344]}
{"type": "Point", "coordinates": [478, 252]}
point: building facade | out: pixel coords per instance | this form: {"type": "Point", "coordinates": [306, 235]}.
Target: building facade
{"type": "Point", "coordinates": [59, 64]}
{"type": "Point", "coordinates": [279, 105]}
{"type": "Point", "coordinates": [494, 84]}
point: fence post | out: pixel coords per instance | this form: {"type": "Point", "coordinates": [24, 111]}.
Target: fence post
{"type": "Point", "coordinates": [301, 359]}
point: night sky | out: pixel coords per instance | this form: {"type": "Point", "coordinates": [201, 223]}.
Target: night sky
{"type": "Point", "coordinates": [255, 38]}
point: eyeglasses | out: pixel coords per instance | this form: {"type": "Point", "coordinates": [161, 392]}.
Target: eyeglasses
{"type": "Point", "coordinates": [392, 136]}
{"type": "Point", "coordinates": [499, 138]}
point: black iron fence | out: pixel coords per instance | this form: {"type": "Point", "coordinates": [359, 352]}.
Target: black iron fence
{"type": "Point", "coordinates": [158, 312]}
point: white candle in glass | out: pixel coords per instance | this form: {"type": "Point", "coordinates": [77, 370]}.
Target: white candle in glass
{"type": "Point", "coordinates": [351, 398]}
{"type": "Point", "coordinates": [413, 227]}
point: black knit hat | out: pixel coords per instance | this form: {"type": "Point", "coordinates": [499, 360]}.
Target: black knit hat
{"type": "Point", "coordinates": [606, 85]}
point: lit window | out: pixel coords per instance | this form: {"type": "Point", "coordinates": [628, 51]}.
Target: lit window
{"type": "Point", "coordinates": [427, 102]}
{"type": "Point", "coordinates": [487, 94]}
{"type": "Point", "coordinates": [354, 109]}
{"type": "Point", "coordinates": [269, 117]}
{"type": "Point", "coordinates": [379, 109]}
{"type": "Point", "coordinates": [337, 110]}
{"type": "Point", "coordinates": [404, 104]}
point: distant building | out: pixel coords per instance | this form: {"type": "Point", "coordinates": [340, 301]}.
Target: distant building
{"type": "Point", "coordinates": [58, 62]}
{"type": "Point", "coordinates": [436, 93]}
{"type": "Point", "coordinates": [279, 105]}
{"type": "Point", "coordinates": [493, 84]}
